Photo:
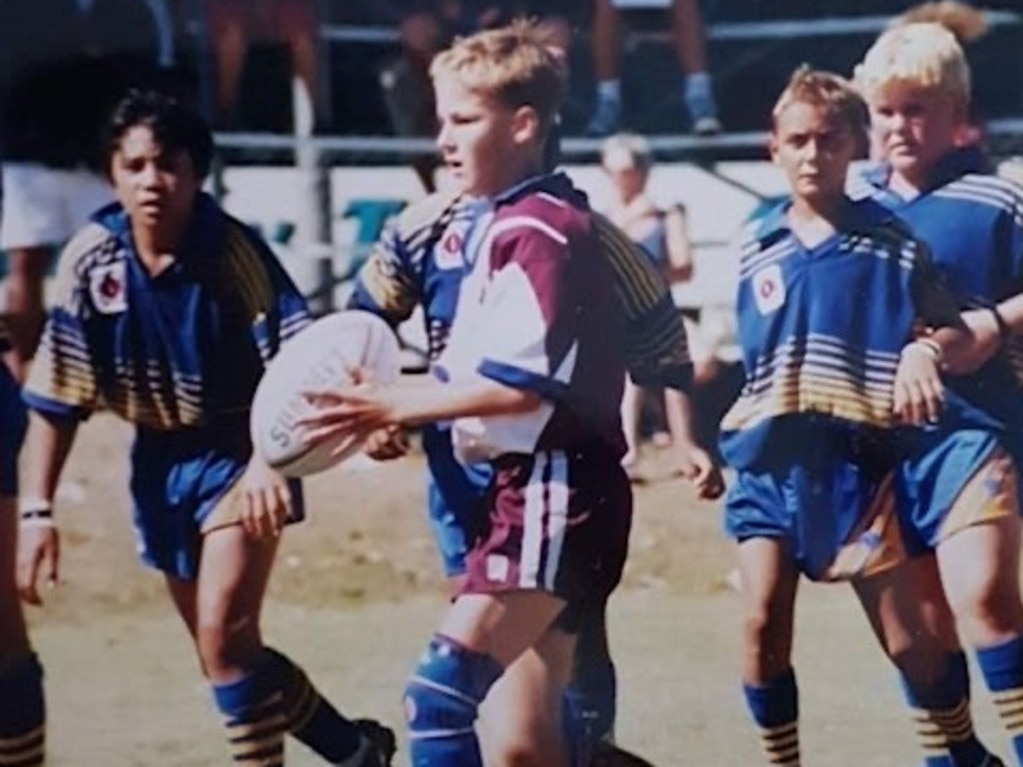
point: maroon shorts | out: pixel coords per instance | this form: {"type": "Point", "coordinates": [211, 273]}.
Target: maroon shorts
{"type": "Point", "coordinates": [558, 522]}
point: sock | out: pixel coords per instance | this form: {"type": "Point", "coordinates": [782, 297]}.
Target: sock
{"type": "Point", "coordinates": [609, 90]}
{"type": "Point", "coordinates": [775, 709]}
{"type": "Point", "coordinates": [310, 717]}
{"type": "Point", "coordinates": [253, 708]}
{"type": "Point", "coordinates": [1002, 667]}
{"type": "Point", "coordinates": [588, 711]}
{"type": "Point", "coordinates": [589, 702]}
{"type": "Point", "coordinates": [698, 95]}
{"type": "Point", "coordinates": [941, 712]}
{"type": "Point", "coordinates": [23, 715]}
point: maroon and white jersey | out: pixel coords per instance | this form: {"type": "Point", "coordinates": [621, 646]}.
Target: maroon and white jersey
{"type": "Point", "coordinates": [538, 312]}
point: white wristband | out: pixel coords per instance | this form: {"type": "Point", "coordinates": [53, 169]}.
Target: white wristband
{"type": "Point", "coordinates": [35, 512]}
{"type": "Point", "coordinates": [930, 347]}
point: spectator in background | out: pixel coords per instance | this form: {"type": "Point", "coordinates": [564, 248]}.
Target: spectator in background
{"type": "Point", "coordinates": [428, 27]}
{"type": "Point", "coordinates": [64, 65]}
{"type": "Point", "coordinates": [663, 235]}
{"type": "Point", "coordinates": [235, 24]}
{"type": "Point", "coordinates": [687, 35]}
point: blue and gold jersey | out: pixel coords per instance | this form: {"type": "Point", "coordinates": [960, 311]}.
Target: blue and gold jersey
{"type": "Point", "coordinates": [821, 328]}
{"type": "Point", "coordinates": [183, 348]}
{"type": "Point", "coordinates": [972, 223]}
{"type": "Point", "coordinates": [418, 261]}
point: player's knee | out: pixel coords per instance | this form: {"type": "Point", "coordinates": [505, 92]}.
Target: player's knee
{"type": "Point", "coordinates": [991, 613]}
{"type": "Point", "coordinates": [766, 639]}
{"type": "Point", "coordinates": [443, 696]}
{"type": "Point", "coordinates": [226, 646]}
{"type": "Point", "coordinates": [512, 745]}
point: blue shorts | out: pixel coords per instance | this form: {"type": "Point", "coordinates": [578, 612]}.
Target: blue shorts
{"type": "Point", "coordinates": [179, 480]}
{"type": "Point", "coordinates": [454, 493]}
{"type": "Point", "coordinates": [837, 516]}
{"type": "Point", "coordinates": [948, 481]}
{"type": "Point", "coordinates": [13, 420]}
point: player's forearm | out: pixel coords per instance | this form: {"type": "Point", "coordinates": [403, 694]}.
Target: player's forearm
{"type": "Point", "coordinates": [47, 445]}
{"type": "Point", "coordinates": [679, 411]}
{"type": "Point", "coordinates": [422, 400]}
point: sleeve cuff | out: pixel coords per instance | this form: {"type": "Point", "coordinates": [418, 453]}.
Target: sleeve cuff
{"type": "Point", "coordinates": [517, 378]}
{"type": "Point", "coordinates": [678, 377]}
{"type": "Point", "coordinates": [53, 407]}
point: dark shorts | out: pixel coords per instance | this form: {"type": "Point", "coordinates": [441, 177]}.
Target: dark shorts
{"type": "Point", "coordinates": [12, 431]}
{"type": "Point", "coordinates": [267, 19]}
{"type": "Point", "coordinates": [558, 522]}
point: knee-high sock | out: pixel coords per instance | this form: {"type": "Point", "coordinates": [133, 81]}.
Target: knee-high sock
{"type": "Point", "coordinates": [310, 717]}
{"type": "Point", "coordinates": [1002, 667]}
{"type": "Point", "coordinates": [590, 700]}
{"type": "Point", "coordinates": [941, 711]}
{"type": "Point", "coordinates": [253, 709]}
{"type": "Point", "coordinates": [775, 709]}
{"type": "Point", "coordinates": [23, 715]}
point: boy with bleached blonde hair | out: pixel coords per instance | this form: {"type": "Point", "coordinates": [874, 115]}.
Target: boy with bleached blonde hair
{"type": "Point", "coordinates": [958, 475]}
{"type": "Point", "coordinates": [530, 381]}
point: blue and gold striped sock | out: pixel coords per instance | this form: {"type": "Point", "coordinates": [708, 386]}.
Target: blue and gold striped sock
{"type": "Point", "coordinates": [254, 717]}
{"type": "Point", "coordinates": [941, 713]}
{"type": "Point", "coordinates": [775, 709]}
{"type": "Point", "coordinates": [310, 717]}
{"type": "Point", "coordinates": [1002, 667]}
{"type": "Point", "coordinates": [22, 716]}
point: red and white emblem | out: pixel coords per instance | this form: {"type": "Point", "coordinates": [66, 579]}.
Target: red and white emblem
{"type": "Point", "coordinates": [769, 289]}
{"type": "Point", "coordinates": [108, 288]}
{"type": "Point", "coordinates": [450, 249]}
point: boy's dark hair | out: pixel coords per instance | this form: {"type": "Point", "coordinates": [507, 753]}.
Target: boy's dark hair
{"type": "Point", "coordinates": [175, 126]}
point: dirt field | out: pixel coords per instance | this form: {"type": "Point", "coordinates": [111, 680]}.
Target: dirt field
{"type": "Point", "coordinates": [356, 594]}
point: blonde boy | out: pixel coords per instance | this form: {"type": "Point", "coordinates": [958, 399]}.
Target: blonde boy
{"type": "Point", "coordinates": [531, 379]}
{"type": "Point", "coordinates": [959, 486]}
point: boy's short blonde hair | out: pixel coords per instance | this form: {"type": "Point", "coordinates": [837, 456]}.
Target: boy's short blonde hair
{"type": "Point", "coordinates": [624, 150]}
{"type": "Point", "coordinates": [923, 55]}
{"type": "Point", "coordinates": [518, 65]}
{"type": "Point", "coordinates": [825, 90]}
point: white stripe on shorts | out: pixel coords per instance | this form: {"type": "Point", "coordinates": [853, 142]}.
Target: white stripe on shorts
{"type": "Point", "coordinates": [557, 507]}
{"type": "Point", "coordinates": [545, 520]}
{"type": "Point", "coordinates": [532, 524]}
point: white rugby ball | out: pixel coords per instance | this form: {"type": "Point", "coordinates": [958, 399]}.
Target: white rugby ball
{"type": "Point", "coordinates": [318, 358]}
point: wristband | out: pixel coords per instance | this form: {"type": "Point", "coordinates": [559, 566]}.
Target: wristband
{"type": "Point", "coordinates": [931, 347]}
{"type": "Point", "coordinates": [1004, 331]}
{"type": "Point", "coordinates": [35, 512]}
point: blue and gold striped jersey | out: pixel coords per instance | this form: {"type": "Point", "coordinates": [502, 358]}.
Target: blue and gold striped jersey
{"type": "Point", "coordinates": [821, 329]}
{"type": "Point", "coordinates": [972, 223]}
{"type": "Point", "coordinates": [183, 348]}
{"type": "Point", "coordinates": [420, 260]}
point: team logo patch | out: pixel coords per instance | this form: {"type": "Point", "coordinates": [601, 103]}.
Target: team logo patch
{"type": "Point", "coordinates": [108, 288]}
{"type": "Point", "coordinates": [450, 249]}
{"type": "Point", "coordinates": [769, 289]}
